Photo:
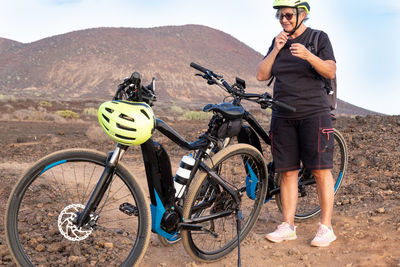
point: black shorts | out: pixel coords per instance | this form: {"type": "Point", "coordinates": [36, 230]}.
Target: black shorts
{"type": "Point", "coordinates": [308, 140]}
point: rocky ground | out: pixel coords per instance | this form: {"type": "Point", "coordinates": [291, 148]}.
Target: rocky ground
{"type": "Point", "coordinates": [366, 216]}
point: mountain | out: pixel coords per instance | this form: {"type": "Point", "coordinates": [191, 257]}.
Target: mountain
{"type": "Point", "coordinates": [7, 45]}
{"type": "Point", "coordinates": [90, 63]}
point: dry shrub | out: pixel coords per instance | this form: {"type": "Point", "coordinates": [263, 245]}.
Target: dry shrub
{"type": "Point", "coordinates": [197, 115]}
{"type": "Point", "coordinates": [67, 114]}
{"type": "Point", "coordinates": [7, 98]}
{"type": "Point", "coordinates": [58, 119]}
{"type": "Point", "coordinates": [22, 114]}
{"type": "Point", "coordinates": [8, 107]}
{"type": "Point", "coordinates": [96, 134]}
{"type": "Point", "coordinates": [32, 114]}
{"type": "Point", "coordinates": [45, 104]}
{"type": "Point", "coordinates": [176, 110]}
{"type": "Point", "coordinates": [90, 111]}
{"type": "Point", "coordinates": [38, 115]}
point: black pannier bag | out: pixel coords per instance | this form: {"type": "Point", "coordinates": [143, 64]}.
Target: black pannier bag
{"type": "Point", "coordinates": [230, 128]}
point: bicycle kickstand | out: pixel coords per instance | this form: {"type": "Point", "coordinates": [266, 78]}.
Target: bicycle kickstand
{"type": "Point", "coordinates": [239, 218]}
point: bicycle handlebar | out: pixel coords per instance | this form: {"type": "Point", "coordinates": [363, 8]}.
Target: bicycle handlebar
{"type": "Point", "coordinates": [212, 77]}
{"type": "Point", "coordinates": [265, 100]}
{"type": "Point", "coordinates": [198, 67]}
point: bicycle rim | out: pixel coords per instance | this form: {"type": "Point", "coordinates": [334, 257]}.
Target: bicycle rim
{"type": "Point", "coordinates": [205, 197]}
{"type": "Point", "coordinates": [43, 204]}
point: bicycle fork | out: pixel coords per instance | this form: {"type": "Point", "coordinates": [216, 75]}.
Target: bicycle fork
{"type": "Point", "coordinates": [105, 179]}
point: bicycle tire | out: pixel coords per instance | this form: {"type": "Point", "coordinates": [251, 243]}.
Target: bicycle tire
{"type": "Point", "coordinates": [45, 200]}
{"type": "Point", "coordinates": [308, 205]}
{"type": "Point", "coordinates": [203, 246]}
{"type": "Point", "coordinates": [166, 243]}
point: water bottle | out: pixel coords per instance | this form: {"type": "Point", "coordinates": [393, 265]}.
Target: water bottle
{"type": "Point", "coordinates": [182, 174]}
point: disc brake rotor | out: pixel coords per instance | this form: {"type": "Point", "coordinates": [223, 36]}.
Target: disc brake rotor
{"type": "Point", "coordinates": [66, 226]}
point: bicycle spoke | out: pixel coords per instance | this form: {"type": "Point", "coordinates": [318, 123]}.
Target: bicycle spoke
{"type": "Point", "coordinates": [219, 235]}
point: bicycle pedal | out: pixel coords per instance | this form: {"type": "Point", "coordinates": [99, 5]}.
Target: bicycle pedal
{"type": "Point", "coordinates": [129, 209]}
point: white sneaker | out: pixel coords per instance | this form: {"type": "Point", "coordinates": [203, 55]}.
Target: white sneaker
{"type": "Point", "coordinates": [324, 237]}
{"type": "Point", "coordinates": [282, 232]}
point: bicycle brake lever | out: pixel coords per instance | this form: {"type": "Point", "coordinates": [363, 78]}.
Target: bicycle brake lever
{"type": "Point", "coordinates": [264, 103]}
{"type": "Point", "coordinates": [204, 76]}
{"type": "Point", "coordinates": [266, 96]}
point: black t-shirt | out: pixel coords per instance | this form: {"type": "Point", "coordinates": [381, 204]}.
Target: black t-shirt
{"type": "Point", "coordinates": [297, 83]}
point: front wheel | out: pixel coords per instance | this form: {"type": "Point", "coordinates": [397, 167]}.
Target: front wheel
{"type": "Point", "coordinates": [308, 203]}
{"type": "Point", "coordinates": [242, 167]}
{"type": "Point", "coordinates": [40, 214]}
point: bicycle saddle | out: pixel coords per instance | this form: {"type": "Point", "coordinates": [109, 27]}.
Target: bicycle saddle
{"type": "Point", "coordinates": [228, 110]}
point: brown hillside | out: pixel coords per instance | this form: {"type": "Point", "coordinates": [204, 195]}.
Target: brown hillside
{"type": "Point", "coordinates": [90, 63]}
{"type": "Point", "coordinates": [7, 45]}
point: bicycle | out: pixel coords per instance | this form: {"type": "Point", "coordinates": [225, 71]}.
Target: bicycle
{"type": "Point", "coordinates": [84, 207]}
{"type": "Point", "coordinates": [205, 200]}
{"type": "Point", "coordinates": [308, 205]}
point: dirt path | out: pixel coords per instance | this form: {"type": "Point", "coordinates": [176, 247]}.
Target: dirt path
{"type": "Point", "coordinates": [366, 216]}
{"type": "Point", "coordinates": [359, 243]}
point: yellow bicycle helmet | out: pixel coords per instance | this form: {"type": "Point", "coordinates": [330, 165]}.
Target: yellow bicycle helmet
{"type": "Point", "coordinates": [292, 3]}
{"type": "Point", "coordinates": [128, 123]}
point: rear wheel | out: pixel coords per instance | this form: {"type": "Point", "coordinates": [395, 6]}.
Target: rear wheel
{"type": "Point", "coordinates": [308, 204]}
{"type": "Point", "coordinates": [42, 207]}
{"type": "Point", "coordinates": [243, 168]}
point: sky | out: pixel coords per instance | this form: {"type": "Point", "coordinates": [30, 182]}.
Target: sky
{"type": "Point", "coordinates": [365, 38]}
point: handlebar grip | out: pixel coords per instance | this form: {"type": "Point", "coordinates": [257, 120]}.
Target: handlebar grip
{"type": "Point", "coordinates": [135, 79]}
{"type": "Point", "coordinates": [198, 67]}
{"type": "Point", "coordinates": [285, 106]}
{"type": "Point", "coordinates": [227, 86]}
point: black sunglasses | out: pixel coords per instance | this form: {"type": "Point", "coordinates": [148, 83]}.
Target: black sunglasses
{"type": "Point", "coordinates": [288, 16]}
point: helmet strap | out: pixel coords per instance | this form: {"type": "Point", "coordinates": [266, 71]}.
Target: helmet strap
{"type": "Point", "coordinates": [297, 23]}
